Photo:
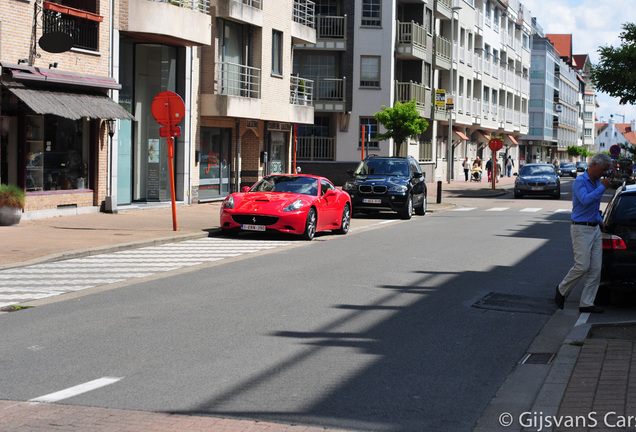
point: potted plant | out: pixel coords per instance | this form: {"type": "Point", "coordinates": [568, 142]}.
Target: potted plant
{"type": "Point", "coordinates": [12, 200]}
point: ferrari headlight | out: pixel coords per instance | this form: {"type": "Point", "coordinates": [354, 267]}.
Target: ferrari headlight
{"type": "Point", "coordinates": [398, 188]}
{"type": "Point", "coordinates": [296, 205]}
{"type": "Point", "coordinates": [229, 202]}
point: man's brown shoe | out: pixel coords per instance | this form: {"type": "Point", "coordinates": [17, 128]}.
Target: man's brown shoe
{"type": "Point", "coordinates": [559, 299]}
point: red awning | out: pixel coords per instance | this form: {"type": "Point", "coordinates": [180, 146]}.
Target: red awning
{"type": "Point", "coordinates": [72, 11]}
{"type": "Point", "coordinates": [486, 136]}
{"type": "Point", "coordinates": [460, 134]}
{"type": "Point", "coordinates": [514, 141]}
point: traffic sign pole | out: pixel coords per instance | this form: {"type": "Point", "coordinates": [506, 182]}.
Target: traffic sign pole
{"type": "Point", "coordinates": [168, 109]}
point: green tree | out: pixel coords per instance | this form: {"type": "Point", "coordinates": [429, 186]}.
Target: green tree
{"type": "Point", "coordinates": [616, 72]}
{"type": "Point", "coordinates": [400, 122]}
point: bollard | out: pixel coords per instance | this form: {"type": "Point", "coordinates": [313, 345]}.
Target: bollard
{"type": "Point", "coordinates": [439, 192]}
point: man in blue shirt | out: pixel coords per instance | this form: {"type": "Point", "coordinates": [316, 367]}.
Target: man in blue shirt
{"type": "Point", "coordinates": [587, 191]}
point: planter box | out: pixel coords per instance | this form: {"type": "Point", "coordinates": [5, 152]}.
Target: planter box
{"type": "Point", "coordinates": [10, 216]}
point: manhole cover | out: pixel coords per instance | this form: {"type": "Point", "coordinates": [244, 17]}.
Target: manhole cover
{"type": "Point", "coordinates": [516, 303]}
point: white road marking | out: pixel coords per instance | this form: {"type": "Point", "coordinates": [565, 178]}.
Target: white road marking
{"type": "Point", "coordinates": [582, 319]}
{"type": "Point", "coordinates": [464, 209]}
{"type": "Point", "coordinates": [74, 391]}
{"type": "Point", "coordinates": [530, 209]}
{"type": "Point", "coordinates": [498, 209]}
{"type": "Point", "coordinates": [51, 279]}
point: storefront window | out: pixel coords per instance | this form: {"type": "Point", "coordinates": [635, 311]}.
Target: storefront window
{"type": "Point", "coordinates": [214, 167]}
{"type": "Point", "coordinates": [56, 154]}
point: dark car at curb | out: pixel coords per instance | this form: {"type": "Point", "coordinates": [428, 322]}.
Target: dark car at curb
{"type": "Point", "coordinates": [618, 272]}
{"type": "Point", "coordinates": [581, 166]}
{"type": "Point", "coordinates": [567, 168]}
{"type": "Point", "coordinates": [388, 183]}
{"type": "Point", "coordinates": [537, 179]}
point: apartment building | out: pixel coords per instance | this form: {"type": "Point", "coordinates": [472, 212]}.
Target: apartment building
{"type": "Point", "coordinates": [560, 108]}
{"type": "Point", "coordinates": [56, 79]}
{"type": "Point", "coordinates": [386, 53]}
{"type": "Point", "coordinates": [582, 64]}
{"type": "Point", "coordinates": [250, 101]}
{"type": "Point", "coordinates": [491, 88]}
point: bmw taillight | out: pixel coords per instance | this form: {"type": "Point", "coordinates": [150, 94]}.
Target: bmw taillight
{"type": "Point", "coordinates": [613, 242]}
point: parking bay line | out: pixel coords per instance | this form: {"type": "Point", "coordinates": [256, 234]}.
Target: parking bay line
{"type": "Point", "coordinates": [76, 390]}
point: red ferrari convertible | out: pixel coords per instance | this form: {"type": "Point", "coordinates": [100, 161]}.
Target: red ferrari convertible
{"type": "Point", "coordinates": [290, 203]}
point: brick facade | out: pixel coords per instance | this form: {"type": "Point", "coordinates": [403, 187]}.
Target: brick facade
{"type": "Point", "coordinates": [17, 42]}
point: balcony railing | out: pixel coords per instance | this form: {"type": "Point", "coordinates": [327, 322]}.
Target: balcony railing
{"type": "Point", "coordinates": [238, 80]}
{"type": "Point", "coordinates": [196, 5]}
{"type": "Point", "coordinates": [426, 151]}
{"type": "Point", "coordinates": [330, 89]}
{"type": "Point", "coordinates": [407, 91]}
{"type": "Point", "coordinates": [304, 13]}
{"type": "Point", "coordinates": [301, 91]}
{"type": "Point", "coordinates": [83, 31]}
{"type": "Point", "coordinates": [411, 33]}
{"type": "Point", "coordinates": [442, 47]}
{"type": "Point", "coordinates": [331, 27]}
{"type": "Point", "coordinates": [315, 148]}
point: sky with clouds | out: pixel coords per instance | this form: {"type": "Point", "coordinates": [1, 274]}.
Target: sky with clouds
{"type": "Point", "coordinates": [592, 23]}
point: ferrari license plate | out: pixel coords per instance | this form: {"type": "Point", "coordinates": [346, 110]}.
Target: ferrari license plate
{"type": "Point", "coordinates": [253, 227]}
{"type": "Point", "coordinates": [372, 201]}
{"type": "Point", "coordinates": [537, 188]}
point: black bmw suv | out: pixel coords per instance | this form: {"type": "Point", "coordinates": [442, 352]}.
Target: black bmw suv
{"type": "Point", "coordinates": [388, 183]}
{"type": "Point", "coordinates": [619, 243]}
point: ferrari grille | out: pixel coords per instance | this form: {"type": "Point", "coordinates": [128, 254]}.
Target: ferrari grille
{"type": "Point", "coordinates": [255, 219]}
{"type": "Point", "coordinates": [372, 189]}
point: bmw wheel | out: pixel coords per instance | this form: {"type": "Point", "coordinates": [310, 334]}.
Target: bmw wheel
{"type": "Point", "coordinates": [346, 220]}
{"type": "Point", "coordinates": [407, 213]}
{"type": "Point", "coordinates": [310, 225]}
{"type": "Point", "coordinates": [421, 210]}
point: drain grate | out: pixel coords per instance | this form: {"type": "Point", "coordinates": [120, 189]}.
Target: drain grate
{"type": "Point", "coordinates": [537, 358]}
{"type": "Point", "coordinates": [516, 303]}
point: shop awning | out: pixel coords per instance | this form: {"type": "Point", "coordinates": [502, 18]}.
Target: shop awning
{"type": "Point", "coordinates": [514, 141]}
{"type": "Point", "coordinates": [71, 105]}
{"type": "Point", "coordinates": [460, 134]}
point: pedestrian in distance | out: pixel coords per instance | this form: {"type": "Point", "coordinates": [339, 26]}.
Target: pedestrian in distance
{"type": "Point", "coordinates": [585, 231]}
{"type": "Point", "coordinates": [509, 164]}
{"type": "Point", "coordinates": [466, 166]}
{"type": "Point", "coordinates": [489, 169]}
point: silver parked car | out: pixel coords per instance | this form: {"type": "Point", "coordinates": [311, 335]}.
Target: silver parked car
{"type": "Point", "coordinates": [537, 179]}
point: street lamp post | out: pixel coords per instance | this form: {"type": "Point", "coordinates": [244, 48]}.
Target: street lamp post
{"type": "Point", "coordinates": [449, 150]}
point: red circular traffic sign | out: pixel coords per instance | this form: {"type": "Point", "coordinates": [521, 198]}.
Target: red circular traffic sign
{"type": "Point", "coordinates": [495, 144]}
{"type": "Point", "coordinates": [168, 108]}
{"type": "Point", "coordinates": [615, 150]}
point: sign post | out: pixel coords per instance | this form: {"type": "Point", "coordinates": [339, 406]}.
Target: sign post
{"type": "Point", "coordinates": [168, 110]}
{"type": "Point", "coordinates": [495, 145]}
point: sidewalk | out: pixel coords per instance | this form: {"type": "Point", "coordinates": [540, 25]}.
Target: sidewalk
{"type": "Point", "coordinates": [591, 372]}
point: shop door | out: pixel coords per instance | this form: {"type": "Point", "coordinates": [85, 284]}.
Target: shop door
{"type": "Point", "coordinates": [277, 160]}
{"type": "Point", "coordinates": [214, 167]}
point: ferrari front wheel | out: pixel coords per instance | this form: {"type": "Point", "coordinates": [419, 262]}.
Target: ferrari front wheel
{"type": "Point", "coordinates": [310, 225]}
{"type": "Point", "coordinates": [346, 220]}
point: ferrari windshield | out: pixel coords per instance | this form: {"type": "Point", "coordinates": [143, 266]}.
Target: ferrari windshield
{"type": "Point", "coordinates": [384, 167]}
{"type": "Point", "coordinates": [533, 170]}
{"type": "Point", "coordinates": [287, 183]}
